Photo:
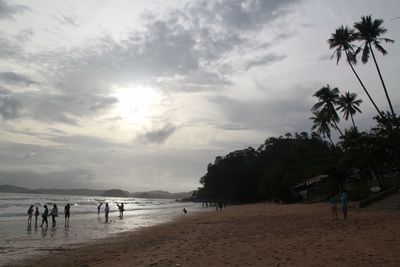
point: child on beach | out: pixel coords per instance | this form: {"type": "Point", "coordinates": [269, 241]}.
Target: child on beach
{"type": "Point", "coordinates": [44, 216]}
{"type": "Point", "coordinates": [30, 213]}
{"type": "Point", "coordinates": [333, 202]}
{"type": "Point", "coordinates": [36, 215]}
{"type": "Point", "coordinates": [106, 211]}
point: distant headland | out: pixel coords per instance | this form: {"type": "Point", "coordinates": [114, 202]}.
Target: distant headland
{"type": "Point", "coordinates": [93, 192]}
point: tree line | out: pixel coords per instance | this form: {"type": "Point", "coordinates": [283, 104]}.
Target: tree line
{"type": "Point", "coordinates": [275, 167]}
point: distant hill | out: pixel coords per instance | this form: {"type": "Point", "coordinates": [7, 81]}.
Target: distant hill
{"type": "Point", "coordinates": [115, 193]}
{"type": "Point", "coordinates": [90, 192]}
{"type": "Point", "coordinates": [161, 194]}
{"type": "Point", "coordinates": [77, 192]}
{"type": "Point", "coordinates": [13, 189]}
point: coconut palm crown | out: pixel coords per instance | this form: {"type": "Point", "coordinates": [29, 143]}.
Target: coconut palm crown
{"type": "Point", "coordinates": [370, 31]}
{"type": "Point", "coordinates": [348, 104]}
{"type": "Point", "coordinates": [328, 98]}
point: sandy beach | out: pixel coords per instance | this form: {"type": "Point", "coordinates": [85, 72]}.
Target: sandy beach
{"type": "Point", "coordinates": [247, 235]}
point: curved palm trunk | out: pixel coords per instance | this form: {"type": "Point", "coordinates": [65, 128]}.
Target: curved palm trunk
{"type": "Point", "coordinates": [365, 89]}
{"type": "Point", "coordinates": [337, 128]}
{"type": "Point", "coordinates": [352, 120]}
{"type": "Point", "coordinates": [383, 83]}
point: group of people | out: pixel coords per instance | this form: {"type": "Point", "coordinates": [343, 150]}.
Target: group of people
{"type": "Point", "coordinates": [46, 213]}
{"type": "Point", "coordinates": [107, 210]}
{"type": "Point", "coordinates": [334, 200]}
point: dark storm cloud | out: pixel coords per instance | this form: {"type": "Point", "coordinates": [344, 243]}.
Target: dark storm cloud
{"type": "Point", "coordinates": [66, 20]}
{"type": "Point", "coordinates": [81, 141]}
{"type": "Point", "coordinates": [12, 77]}
{"type": "Point", "coordinates": [10, 107]}
{"type": "Point", "coordinates": [52, 107]}
{"type": "Point", "coordinates": [272, 113]}
{"type": "Point", "coordinates": [7, 11]}
{"type": "Point", "coordinates": [265, 60]}
{"type": "Point", "coordinates": [239, 14]}
{"type": "Point", "coordinates": [157, 136]}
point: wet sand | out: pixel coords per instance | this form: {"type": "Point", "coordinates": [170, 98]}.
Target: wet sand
{"type": "Point", "coordinates": [248, 235]}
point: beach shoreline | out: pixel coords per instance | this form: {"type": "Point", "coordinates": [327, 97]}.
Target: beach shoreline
{"type": "Point", "coordinates": [247, 235]}
{"type": "Point", "coordinates": [20, 240]}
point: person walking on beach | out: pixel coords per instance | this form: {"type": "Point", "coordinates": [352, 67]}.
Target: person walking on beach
{"type": "Point", "coordinates": [184, 210]}
{"type": "Point", "coordinates": [121, 210]}
{"type": "Point", "coordinates": [54, 214]}
{"type": "Point", "coordinates": [333, 202]}
{"type": "Point", "coordinates": [36, 215]}
{"type": "Point", "coordinates": [344, 199]}
{"type": "Point", "coordinates": [106, 211]}
{"type": "Point", "coordinates": [44, 216]}
{"type": "Point", "coordinates": [66, 213]}
{"type": "Point", "coordinates": [30, 213]}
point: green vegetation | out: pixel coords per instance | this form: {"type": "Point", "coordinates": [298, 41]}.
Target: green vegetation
{"type": "Point", "coordinates": [277, 166]}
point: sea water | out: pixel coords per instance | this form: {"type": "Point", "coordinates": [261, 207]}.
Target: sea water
{"type": "Point", "coordinates": [18, 240]}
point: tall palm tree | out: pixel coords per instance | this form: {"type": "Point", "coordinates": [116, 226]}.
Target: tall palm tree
{"type": "Point", "coordinates": [321, 123]}
{"type": "Point", "coordinates": [341, 41]}
{"type": "Point", "coordinates": [369, 31]}
{"type": "Point", "coordinates": [328, 98]}
{"type": "Point", "coordinates": [348, 104]}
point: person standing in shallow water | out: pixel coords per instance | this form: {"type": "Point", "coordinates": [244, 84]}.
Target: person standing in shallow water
{"type": "Point", "coordinates": [121, 210]}
{"type": "Point", "coordinates": [344, 199]}
{"type": "Point", "coordinates": [66, 213]}
{"type": "Point", "coordinates": [44, 216]}
{"type": "Point", "coordinates": [30, 213]}
{"type": "Point", "coordinates": [99, 207]}
{"type": "Point", "coordinates": [106, 211]}
{"type": "Point", "coordinates": [54, 214]}
{"type": "Point", "coordinates": [36, 215]}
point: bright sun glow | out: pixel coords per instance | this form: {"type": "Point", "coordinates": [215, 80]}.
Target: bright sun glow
{"type": "Point", "coordinates": [136, 103]}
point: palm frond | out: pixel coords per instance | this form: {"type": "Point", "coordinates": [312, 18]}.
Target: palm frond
{"type": "Point", "coordinates": [380, 48]}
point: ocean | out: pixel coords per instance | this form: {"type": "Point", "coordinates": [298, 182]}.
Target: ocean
{"type": "Point", "coordinates": [19, 241]}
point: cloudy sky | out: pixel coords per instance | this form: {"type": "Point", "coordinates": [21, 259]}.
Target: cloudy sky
{"type": "Point", "coordinates": [142, 95]}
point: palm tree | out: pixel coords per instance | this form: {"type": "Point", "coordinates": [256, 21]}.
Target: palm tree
{"type": "Point", "coordinates": [321, 123]}
{"type": "Point", "coordinates": [328, 99]}
{"type": "Point", "coordinates": [369, 31]}
{"type": "Point", "coordinates": [341, 41]}
{"type": "Point", "coordinates": [348, 104]}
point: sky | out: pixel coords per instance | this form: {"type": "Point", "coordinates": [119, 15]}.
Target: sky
{"type": "Point", "coordinates": [142, 95]}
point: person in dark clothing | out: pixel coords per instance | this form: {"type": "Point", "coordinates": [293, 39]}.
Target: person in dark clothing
{"type": "Point", "coordinates": [44, 216]}
{"type": "Point", "coordinates": [106, 211]}
{"type": "Point", "coordinates": [54, 214]}
{"type": "Point", "coordinates": [121, 210]}
{"type": "Point", "coordinates": [66, 213]}
{"type": "Point", "coordinates": [36, 215]}
{"type": "Point", "coordinates": [30, 213]}
{"type": "Point", "coordinates": [99, 207]}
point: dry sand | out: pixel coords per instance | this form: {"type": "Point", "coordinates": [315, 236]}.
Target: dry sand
{"type": "Point", "coordinates": [249, 235]}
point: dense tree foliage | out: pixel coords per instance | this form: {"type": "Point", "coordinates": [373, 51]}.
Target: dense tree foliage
{"type": "Point", "coordinates": [269, 172]}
